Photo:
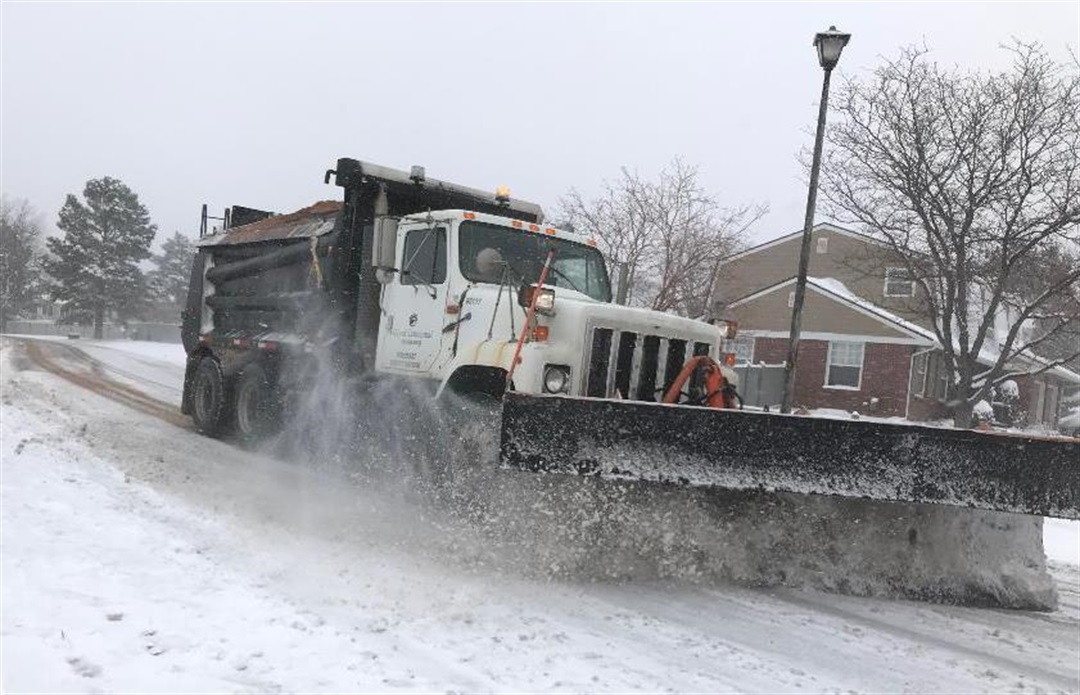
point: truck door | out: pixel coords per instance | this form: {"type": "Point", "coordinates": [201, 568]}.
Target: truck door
{"type": "Point", "coordinates": [415, 303]}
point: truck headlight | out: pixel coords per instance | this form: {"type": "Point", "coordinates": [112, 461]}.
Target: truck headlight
{"type": "Point", "coordinates": [545, 299]}
{"type": "Point", "coordinates": [556, 378]}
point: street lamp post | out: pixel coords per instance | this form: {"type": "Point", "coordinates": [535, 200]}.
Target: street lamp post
{"type": "Point", "coordinates": [829, 45]}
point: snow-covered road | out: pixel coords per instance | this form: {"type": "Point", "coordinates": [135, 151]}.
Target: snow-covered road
{"type": "Point", "coordinates": [139, 556]}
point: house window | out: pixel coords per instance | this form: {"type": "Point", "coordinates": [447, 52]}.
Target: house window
{"type": "Point", "coordinates": [937, 377]}
{"type": "Point", "coordinates": [823, 244]}
{"type": "Point", "coordinates": [1051, 412]}
{"type": "Point", "coordinates": [918, 374]}
{"type": "Point", "coordinates": [743, 347]}
{"type": "Point", "coordinates": [1038, 398]}
{"type": "Point", "coordinates": [845, 365]}
{"type": "Point", "coordinates": [898, 283]}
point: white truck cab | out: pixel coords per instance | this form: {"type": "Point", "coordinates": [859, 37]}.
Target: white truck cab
{"type": "Point", "coordinates": [451, 304]}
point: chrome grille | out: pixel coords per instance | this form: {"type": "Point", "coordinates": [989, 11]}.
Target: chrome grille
{"type": "Point", "coordinates": [636, 366]}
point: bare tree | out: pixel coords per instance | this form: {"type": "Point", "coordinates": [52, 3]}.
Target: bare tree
{"type": "Point", "coordinates": [972, 178]}
{"type": "Point", "coordinates": [20, 252]}
{"type": "Point", "coordinates": [618, 220]}
{"type": "Point", "coordinates": [1057, 325]}
{"type": "Point", "coordinates": [670, 233]}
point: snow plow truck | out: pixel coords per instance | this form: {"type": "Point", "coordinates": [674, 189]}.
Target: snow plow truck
{"type": "Point", "coordinates": [473, 292]}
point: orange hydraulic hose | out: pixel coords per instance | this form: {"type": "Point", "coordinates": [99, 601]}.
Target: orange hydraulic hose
{"type": "Point", "coordinates": [714, 382]}
{"type": "Point", "coordinates": [529, 317]}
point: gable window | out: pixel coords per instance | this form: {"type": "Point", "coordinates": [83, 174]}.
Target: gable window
{"type": "Point", "coordinates": [845, 365]}
{"type": "Point", "coordinates": [898, 283]}
{"type": "Point", "coordinates": [425, 257]}
{"type": "Point", "coordinates": [823, 244]}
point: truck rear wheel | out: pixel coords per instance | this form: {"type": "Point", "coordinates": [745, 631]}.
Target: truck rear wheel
{"type": "Point", "coordinates": [208, 398]}
{"type": "Point", "coordinates": [256, 405]}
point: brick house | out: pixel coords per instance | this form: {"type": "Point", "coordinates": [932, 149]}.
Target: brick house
{"type": "Point", "coordinates": [865, 345]}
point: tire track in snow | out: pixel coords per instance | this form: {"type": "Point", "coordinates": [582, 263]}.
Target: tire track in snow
{"type": "Point", "coordinates": [133, 376]}
{"type": "Point", "coordinates": [954, 636]}
{"type": "Point", "coordinates": [74, 365]}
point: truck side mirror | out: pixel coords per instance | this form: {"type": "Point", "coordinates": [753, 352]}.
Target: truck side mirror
{"type": "Point", "coordinates": [383, 248]}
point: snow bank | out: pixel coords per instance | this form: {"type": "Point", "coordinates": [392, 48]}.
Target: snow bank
{"type": "Point", "coordinates": [596, 529]}
{"type": "Point", "coordinates": [108, 587]}
{"type": "Point", "coordinates": [172, 353]}
{"type": "Point", "coordinates": [1061, 538]}
{"type": "Point", "coordinates": [1009, 389]}
{"type": "Point", "coordinates": [983, 411]}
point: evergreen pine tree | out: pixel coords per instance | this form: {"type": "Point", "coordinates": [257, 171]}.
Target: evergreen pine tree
{"type": "Point", "coordinates": [169, 280]}
{"type": "Point", "coordinates": [95, 263]}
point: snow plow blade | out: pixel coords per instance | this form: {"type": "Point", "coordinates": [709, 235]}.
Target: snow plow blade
{"type": "Point", "coordinates": [749, 450]}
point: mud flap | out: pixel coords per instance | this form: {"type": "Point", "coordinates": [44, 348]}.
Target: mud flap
{"type": "Point", "coordinates": [747, 450]}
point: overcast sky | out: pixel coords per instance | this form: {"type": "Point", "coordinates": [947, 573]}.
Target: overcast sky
{"type": "Point", "coordinates": [230, 103]}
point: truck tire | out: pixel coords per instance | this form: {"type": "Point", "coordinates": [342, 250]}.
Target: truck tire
{"type": "Point", "coordinates": [256, 404]}
{"type": "Point", "coordinates": [209, 403]}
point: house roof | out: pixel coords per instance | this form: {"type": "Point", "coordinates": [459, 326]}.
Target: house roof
{"type": "Point", "coordinates": [838, 289]}
{"type": "Point", "coordinates": [1035, 362]}
{"type": "Point", "coordinates": [838, 292]}
{"type": "Point", "coordinates": [819, 227]}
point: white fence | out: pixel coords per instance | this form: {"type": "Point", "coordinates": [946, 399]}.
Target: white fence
{"type": "Point", "coordinates": [761, 385]}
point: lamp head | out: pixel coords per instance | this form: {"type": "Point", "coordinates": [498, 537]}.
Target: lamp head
{"type": "Point", "coordinates": [829, 45]}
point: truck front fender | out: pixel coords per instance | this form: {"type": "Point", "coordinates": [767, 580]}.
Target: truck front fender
{"type": "Point", "coordinates": [475, 379]}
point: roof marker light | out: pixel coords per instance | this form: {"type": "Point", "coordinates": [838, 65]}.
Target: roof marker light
{"type": "Point", "coordinates": [470, 215]}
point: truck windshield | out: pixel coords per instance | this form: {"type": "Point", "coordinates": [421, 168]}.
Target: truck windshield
{"type": "Point", "coordinates": [487, 250]}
